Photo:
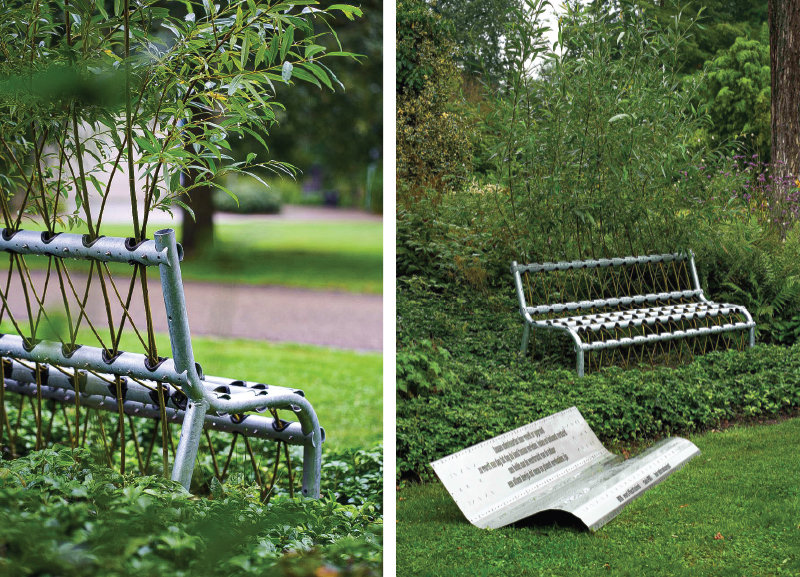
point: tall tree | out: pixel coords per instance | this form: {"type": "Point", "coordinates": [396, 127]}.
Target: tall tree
{"type": "Point", "coordinates": [722, 22]}
{"type": "Point", "coordinates": [197, 232]}
{"type": "Point", "coordinates": [784, 41]}
{"type": "Point", "coordinates": [479, 28]}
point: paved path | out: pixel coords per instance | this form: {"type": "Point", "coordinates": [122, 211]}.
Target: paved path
{"type": "Point", "coordinates": [335, 319]}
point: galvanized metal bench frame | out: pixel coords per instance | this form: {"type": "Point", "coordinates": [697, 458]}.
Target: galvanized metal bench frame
{"type": "Point", "coordinates": [196, 400]}
{"type": "Point", "coordinates": [697, 307]}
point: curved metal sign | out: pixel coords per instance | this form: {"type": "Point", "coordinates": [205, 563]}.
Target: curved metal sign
{"type": "Point", "coordinates": [554, 463]}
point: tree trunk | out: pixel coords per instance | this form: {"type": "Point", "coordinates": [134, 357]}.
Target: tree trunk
{"type": "Point", "coordinates": [784, 42]}
{"type": "Point", "coordinates": [198, 233]}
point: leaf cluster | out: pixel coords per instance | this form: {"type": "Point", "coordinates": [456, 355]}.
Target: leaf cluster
{"type": "Point", "coordinates": [591, 145]}
{"type": "Point", "coordinates": [141, 89]}
{"type": "Point", "coordinates": [737, 91]}
{"type": "Point", "coordinates": [420, 370]}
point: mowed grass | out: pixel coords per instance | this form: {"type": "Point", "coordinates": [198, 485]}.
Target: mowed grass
{"type": "Point", "coordinates": [745, 486]}
{"type": "Point", "coordinates": [345, 388]}
{"type": "Point", "coordinates": [331, 255]}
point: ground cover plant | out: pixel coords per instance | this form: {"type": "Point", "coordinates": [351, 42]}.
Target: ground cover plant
{"type": "Point", "coordinates": [458, 362]}
{"type": "Point", "coordinates": [62, 514]}
{"type": "Point", "coordinates": [733, 510]}
{"type": "Point", "coordinates": [77, 504]}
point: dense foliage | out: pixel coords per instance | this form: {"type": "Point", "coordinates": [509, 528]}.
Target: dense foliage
{"type": "Point", "coordinates": [723, 22]}
{"type": "Point", "coordinates": [738, 94]}
{"type": "Point", "coordinates": [141, 90]}
{"type": "Point", "coordinates": [481, 381]}
{"type": "Point", "coordinates": [433, 147]}
{"type": "Point", "coordinates": [60, 513]}
{"type": "Point", "coordinates": [479, 29]}
{"type": "Point", "coordinates": [337, 133]}
{"type": "Point", "coordinates": [591, 150]}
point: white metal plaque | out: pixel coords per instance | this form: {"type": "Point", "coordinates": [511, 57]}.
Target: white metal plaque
{"type": "Point", "coordinates": [554, 463]}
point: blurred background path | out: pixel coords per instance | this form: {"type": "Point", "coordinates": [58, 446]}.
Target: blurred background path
{"type": "Point", "coordinates": [331, 257]}
{"type": "Point", "coordinates": [272, 313]}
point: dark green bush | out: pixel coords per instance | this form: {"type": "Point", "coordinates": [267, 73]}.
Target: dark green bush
{"type": "Point", "coordinates": [619, 405]}
{"type": "Point", "coordinates": [433, 144]}
{"type": "Point", "coordinates": [420, 370]}
{"type": "Point", "coordinates": [752, 265]}
{"type": "Point", "coordinates": [251, 198]}
{"type": "Point", "coordinates": [738, 93]}
{"type": "Point", "coordinates": [590, 150]}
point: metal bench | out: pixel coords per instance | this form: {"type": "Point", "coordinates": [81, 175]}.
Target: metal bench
{"type": "Point", "coordinates": [174, 388]}
{"type": "Point", "coordinates": [609, 304]}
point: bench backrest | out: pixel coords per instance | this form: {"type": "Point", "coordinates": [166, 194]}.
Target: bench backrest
{"type": "Point", "coordinates": [162, 251]}
{"type": "Point", "coordinates": [558, 289]}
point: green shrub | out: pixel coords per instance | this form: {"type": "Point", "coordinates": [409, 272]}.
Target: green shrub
{"type": "Point", "coordinates": [252, 197]}
{"type": "Point", "coordinates": [420, 370]}
{"type": "Point", "coordinates": [462, 238]}
{"type": "Point", "coordinates": [619, 405]}
{"type": "Point", "coordinates": [752, 265]}
{"type": "Point", "coordinates": [433, 144]}
{"type": "Point", "coordinates": [738, 93]}
{"type": "Point", "coordinates": [590, 150]}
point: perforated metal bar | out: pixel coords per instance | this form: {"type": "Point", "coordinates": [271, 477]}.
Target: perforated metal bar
{"type": "Point", "coordinates": [679, 334]}
{"type": "Point", "coordinates": [605, 303]}
{"type": "Point", "coordinates": [69, 245]}
{"type": "Point", "coordinates": [251, 426]}
{"type": "Point", "coordinates": [201, 402]}
{"type": "Point", "coordinates": [603, 262]}
{"type": "Point", "coordinates": [143, 391]}
{"type": "Point", "coordinates": [86, 357]}
{"type": "Point", "coordinates": [636, 317]}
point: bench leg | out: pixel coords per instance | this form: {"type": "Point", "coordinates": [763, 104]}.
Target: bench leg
{"type": "Point", "coordinates": [525, 336]}
{"type": "Point", "coordinates": [312, 467]}
{"type": "Point", "coordinates": [186, 452]}
{"type": "Point", "coordinates": [580, 362]}
{"type": "Point", "coordinates": [752, 337]}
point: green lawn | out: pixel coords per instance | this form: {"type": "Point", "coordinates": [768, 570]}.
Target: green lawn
{"type": "Point", "coordinates": [345, 388]}
{"type": "Point", "coordinates": [334, 255]}
{"type": "Point", "coordinates": [745, 486]}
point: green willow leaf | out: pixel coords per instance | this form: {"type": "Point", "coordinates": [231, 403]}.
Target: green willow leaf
{"type": "Point", "coordinates": [286, 71]}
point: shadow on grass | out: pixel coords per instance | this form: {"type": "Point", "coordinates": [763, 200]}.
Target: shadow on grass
{"type": "Point", "coordinates": [551, 520]}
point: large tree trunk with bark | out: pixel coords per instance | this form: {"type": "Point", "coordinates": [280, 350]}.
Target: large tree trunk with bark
{"type": "Point", "coordinates": [784, 42]}
{"type": "Point", "coordinates": [198, 233]}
